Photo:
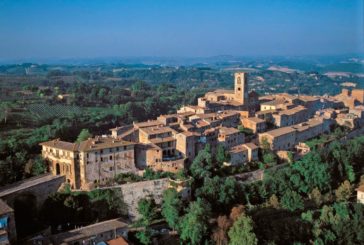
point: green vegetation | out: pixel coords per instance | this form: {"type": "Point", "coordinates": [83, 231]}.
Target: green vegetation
{"type": "Point", "coordinates": [171, 207]}
{"type": "Point", "coordinates": [194, 224]}
{"type": "Point", "coordinates": [147, 209]}
{"type": "Point", "coordinates": [81, 208]}
{"type": "Point", "coordinates": [242, 232]}
{"type": "Point", "coordinates": [307, 200]}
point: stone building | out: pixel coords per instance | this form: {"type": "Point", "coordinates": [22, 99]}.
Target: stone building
{"type": "Point", "coordinates": [287, 138]}
{"type": "Point", "coordinates": [360, 194]}
{"type": "Point", "coordinates": [351, 98]}
{"type": "Point", "coordinates": [237, 99]}
{"type": "Point", "coordinates": [242, 154]}
{"type": "Point", "coordinates": [93, 161]}
{"type": "Point", "coordinates": [92, 234]}
{"type": "Point", "coordinates": [256, 124]}
{"type": "Point", "coordinates": [230, 137]}
{"type": "Point", "coordinates": [291, 116]}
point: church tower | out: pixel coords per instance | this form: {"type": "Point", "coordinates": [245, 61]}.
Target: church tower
{"type": "Point", "coordinates": [241, 87]}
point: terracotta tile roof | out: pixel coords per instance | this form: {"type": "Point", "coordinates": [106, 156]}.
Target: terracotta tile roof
{"type": "Point", "coordinates": [250, 145]}
{"type": "Point", "coordinates": [59, 144]}
{"type": "Point", "coordinates": [360, 188]}
{"type": "Point", "coordinates": [117, 241]}
{"type": "Point", "coordinates": [88, 231]}
{"type": "Point", "coordinates": [227, 131]}
{"type": "Point", "coordinates": [254, 119]}
{"type": "Point", "coordinates": [148, 123]}
{"type": "Point", "coordinates": [99, 143]}
{"type": "Point", "coordinates": [238, 148]}
{"type": "Point", "coordinates": [280, 131]}
{"type": "Point", "coordinates": [157, 130]}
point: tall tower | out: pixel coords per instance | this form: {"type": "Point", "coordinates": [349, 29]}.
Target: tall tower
{"type": "Point", "coordinates": [241, 87]}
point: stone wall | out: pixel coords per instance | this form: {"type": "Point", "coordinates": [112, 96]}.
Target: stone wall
{"type": "Point", "coordinates": [133, 192]}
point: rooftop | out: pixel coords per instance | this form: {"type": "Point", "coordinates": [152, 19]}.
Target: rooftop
{"type": "Point", "coordinates": [360, 188]}
{"type": "Point", "coordinates": [238, 148]}
{"type": "Point", "coordinates": [157, 130]}
{"type": "Point", "coordinates": [97, 143]}
{"type": "Point", "coordinates": [149, 123]}
{"type": "Point", "coordinates": [250, 145]}
{"type": "Point", "coordinates": [254, 119]}
{"type": "Point", "coordinates": [280, 131]}
{"type": "Point", "coordinates": [227, 131]}
{"type": "Point", "coordinates": [59, 144]}
{"type": "Point", "coordinates": [89, 231]}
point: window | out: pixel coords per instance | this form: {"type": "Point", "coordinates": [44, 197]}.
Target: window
{"type": "Point", "coordinates": [101, 151]}
{"type": "Point", "coordinates": [124, 147]}
{"type": "Point", "coordinates": [110, 157]}
{"type": "Point", "coordinates": [110, 168]}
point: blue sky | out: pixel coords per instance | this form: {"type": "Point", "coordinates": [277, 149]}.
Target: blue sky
{"type": "Point", "coordinates": [186, 28]}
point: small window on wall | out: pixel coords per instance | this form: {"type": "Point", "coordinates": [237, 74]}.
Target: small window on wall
{"type": "Point", "coordinates": [110, 157]}
{"type": "Point", "coordinates": [110, 168]}
{"type": "Point", "coordinates": [101, 151]}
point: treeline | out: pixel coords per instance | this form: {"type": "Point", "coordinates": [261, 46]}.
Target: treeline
{"type": "Point", "coordinates": [310, 201]}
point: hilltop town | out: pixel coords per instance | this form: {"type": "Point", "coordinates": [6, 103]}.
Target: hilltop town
{"type": "Point", "coordinates": [221, 118]}
{"type": "Point", "coordinates": [235, 135]}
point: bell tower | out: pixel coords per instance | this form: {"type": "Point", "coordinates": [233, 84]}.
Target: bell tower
{"type": "Point", "coordinates": [241, 87]}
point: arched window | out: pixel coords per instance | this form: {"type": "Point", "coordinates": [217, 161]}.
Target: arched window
{"type": "Point", "coordinates": [238, 80]}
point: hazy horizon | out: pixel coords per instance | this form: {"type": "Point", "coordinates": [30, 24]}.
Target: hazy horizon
{"type": "Point", "coordinates": [41, 30]}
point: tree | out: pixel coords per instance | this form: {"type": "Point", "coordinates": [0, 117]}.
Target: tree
{"type": "Point", "coordinates": [273, 201]}
{"type": "Point", "coordinates": [265, 145]}
{"type": "Point", "coordinates": [194, 224]}
{"type": "Point", "coordinates": [242, 232]}
{"type": "Point", "coordinates": [171, 207]}
{"type": "Point", "coordinates": [84, 135]}
{"type": "Point", "coordinates": [236, 212]}
{"type": "Point", "coordinates": [219, 191]}
{"type": "Point", "coordinates": [220, 233]}
{"type": "Point", "coordinates": [270, 159]}
{"type": "Point", "coordinates": [344, 191]}
{"type": "Point", "coordinates": [202, 165]}
{"type": "Point", "coordinates": [221, 155]}
{"type": "Point", "coordinates": [316, 196]}
{"type": "Point", "coordinates": [145, 236]}
{"type": "Point", "coordinates": [292, 201]}
{"type": "Point", "coordinates": [38, 166]}
{"type": "Point", "coordinates": [147, 209]}
{"type": "Point", "coordinates": [313, 173]}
